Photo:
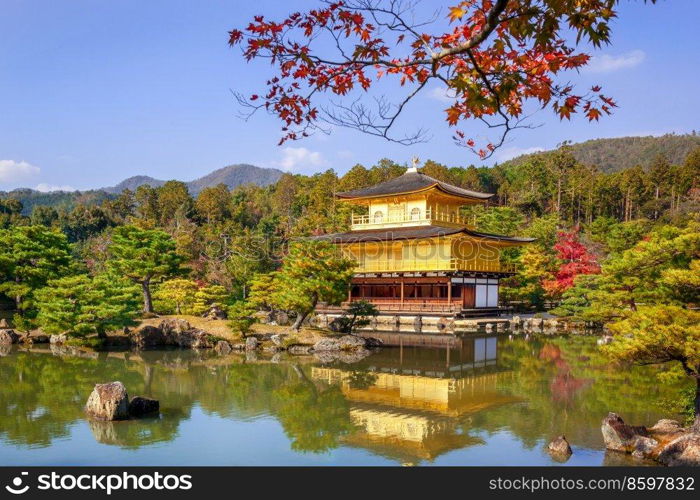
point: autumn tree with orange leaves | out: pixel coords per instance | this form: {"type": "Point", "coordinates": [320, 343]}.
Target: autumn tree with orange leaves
{"type": "Point", "coordinates": [492, 57]}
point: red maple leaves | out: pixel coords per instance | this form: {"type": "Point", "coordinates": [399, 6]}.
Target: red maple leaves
{"type": "Point", "coordinates": [495, 56]}
{"type": "Point", "coordinates": [575, 260]}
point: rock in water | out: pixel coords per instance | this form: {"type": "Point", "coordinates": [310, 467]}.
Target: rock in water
{"type": "Point", "coordinates": [222, 347]}
{"type": "Point", "coordinates": [559, 449]}
{"type": "Point", "coordinates": [683, 451]}
{"type": "Point", "coordinates": [666, 426]}
{"type": "Point", "coordinates": [618, 435]}
{"type": "Point", "coordinates": [8, 337]}
{"type": "Point", "coordinates": [344, 343]}
{"type": "Point", "coordinates": [108, 402]}
{"type": "Point", "coordinates": [4, 323]}
{"type": "Point", "coordinates": [58, 339]}
{"type": "Point", "coordinates": [139, 406]}
{"type": "Point", "coordinates": [251, 343]}
{"type": "Point", "coordinates": [277, 340]}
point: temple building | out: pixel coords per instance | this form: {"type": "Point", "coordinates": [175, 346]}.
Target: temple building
{"type": "Point", "coordinates": [417, 254]}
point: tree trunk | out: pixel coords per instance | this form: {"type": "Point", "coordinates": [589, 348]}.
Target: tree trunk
{"type": "Point", "coordinates": [300, 319]}
{"type": "Point", "coordinates": [696, 424]}
{"type": "Point", "coordinates": [147, 301]}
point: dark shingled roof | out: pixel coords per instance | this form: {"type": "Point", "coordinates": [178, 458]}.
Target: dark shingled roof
{"type": "Point", "coordinates": [409, 182]}
{"type": "Point", "coordinates": [411, 233]}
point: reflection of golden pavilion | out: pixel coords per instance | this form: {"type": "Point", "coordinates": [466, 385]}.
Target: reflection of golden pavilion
{"type": "Point", "coordinates": [407, 409]}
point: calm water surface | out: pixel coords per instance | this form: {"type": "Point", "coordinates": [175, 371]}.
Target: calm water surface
{"type": "Point", "coordinates": [491, 401]}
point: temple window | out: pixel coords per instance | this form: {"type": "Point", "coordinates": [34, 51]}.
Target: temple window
{"type": "Point", "coordinates": [415, 213]}
{"type": "Point", "coordinates": [378, 217]}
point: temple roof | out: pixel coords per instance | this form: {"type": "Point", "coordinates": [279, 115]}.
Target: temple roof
{"type": "Point", "coordinates": [410, 182]}
{"type": "Point", "coordinates": [411, 233]}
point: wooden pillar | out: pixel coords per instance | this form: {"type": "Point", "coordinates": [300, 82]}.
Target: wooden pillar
{"type": "Point", "coordinates": [350, 293]}
{"type": "Point", "coordinates": [449, 291]}
{"type": "Point", "coordinates": [402, 291]}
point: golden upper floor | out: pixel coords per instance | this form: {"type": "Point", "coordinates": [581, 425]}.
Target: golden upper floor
{"type": "Point", "coordinates": [413, 223]}
{"type": "Point", "coordinates": [413, 199]}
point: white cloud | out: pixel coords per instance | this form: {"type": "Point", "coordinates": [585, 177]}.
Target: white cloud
{"type": "Point", "coordinates": [13, 172]}
{"type": "Point", "coordinates": [605, 63]}
{"type": "Point", "coordinates": [503, 154]}
{"type": "Point", "coordinates": [442, 94]}
{"type": "Point", "coordinates": [300, 159]}
{"type": "Point", "coordinates": [46, 188]}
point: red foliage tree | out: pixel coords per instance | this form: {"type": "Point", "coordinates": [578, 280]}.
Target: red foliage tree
{"type": "Point", "coordinates": [491, 58]}
{"type": "Point", "coordinates": [575, 259]}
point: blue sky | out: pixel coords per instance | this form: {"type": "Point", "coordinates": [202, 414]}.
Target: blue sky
{"type": "Point", "coordinates": [92, 92]}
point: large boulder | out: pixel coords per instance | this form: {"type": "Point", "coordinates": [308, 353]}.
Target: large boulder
{"type": "Point", "coordinates": [193, 338]}
{"type": "Point", "coordinates": [139, 406]}
{"type": "Point", "coordinates": [215, 312]}
{"type": "Point", "coordinates": [223, 347]}
{"type": "Point", "coordinates": [277, 340]}
{"type": "Point", "coordinates": [344, 343]}
{"type": "Point", "coordinates": [172, 326]}
{"type": "Point", "coordinates": [299, 349]}
{"type": "Point", "coordinates": [251, 343]}
{"type": "Point", "coordinates": [148, 336]}
{"type": "Point", "coordinates": [666, 426]}
{"type": "Point", "coordinates": [559, 449]}
{"type": "Point", "coordinates": [171, 332]}
{"type": "Point", "coordinates": [61, 338]}
{"type": "Point", "coordinates": [682, 451]}
{"type": "Point", "coordinates": [4, 323]}
{"type": "Point", "coordinates": [618, 435]}
{"type": "Point", "coordinates": [108, 402]}
{"type": "Point", "coordinates": [8, 336]}
{"type": "Point", "coordinates": [644, 447]}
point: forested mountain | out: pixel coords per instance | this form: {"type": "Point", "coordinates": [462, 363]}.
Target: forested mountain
{"type": "Point", "coordinates": [231, 175]}
{"type": "Point", "coordinates": [64, 200]}
{"type": "Point", "coordinates": [133, 183]}
{"type": "Point", "coordinates": [236, 175]}
{"type": "Point", "coordinates": [620, 153]}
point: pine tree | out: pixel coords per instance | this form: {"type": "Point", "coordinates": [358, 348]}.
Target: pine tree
{"type": "Point", "coordinates": [80, 305]}
{"type": "Point", "coordinates": [208, 296]}
{"type": "Point", "coordinates": [661, 334]}
{"type": "Point", "coordinates": [312, 272]}
{"type": "Point", "coordinates": [177, 295]}
{"type": "Point", "coordinates": [145, 257]}
{"type": "Point", "coordinates": [29, 257]}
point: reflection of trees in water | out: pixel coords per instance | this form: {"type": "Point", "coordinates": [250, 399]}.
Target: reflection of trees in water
{"type": "Point", "coordinates": [42, 395]}
{"type": "Point", "coordinates": [569, 386]}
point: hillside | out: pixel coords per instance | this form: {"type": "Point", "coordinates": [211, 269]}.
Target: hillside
{"type": "Point", "coordinates": [57, 199]}
{"type": "Point", "coordinates": [132, 183]}
{"type": "Point", "coordinates": [620, 153]}
{"type": "Point", "coordinates": [235, 175]}
{"type": "Point", "coordinates": [232, 176]}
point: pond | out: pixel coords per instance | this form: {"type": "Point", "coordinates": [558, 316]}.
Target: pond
{"type": "Point", "coordinates": [488, 401]}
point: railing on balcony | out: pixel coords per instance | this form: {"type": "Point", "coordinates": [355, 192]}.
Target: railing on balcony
{"type": "Point", "coordinates": [409, 265]}
{"type": "Point", "coordinates": [424, 217]}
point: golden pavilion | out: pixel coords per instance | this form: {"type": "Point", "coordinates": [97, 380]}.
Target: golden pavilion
{"type": "Point", "coordinates": [417, 254]}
